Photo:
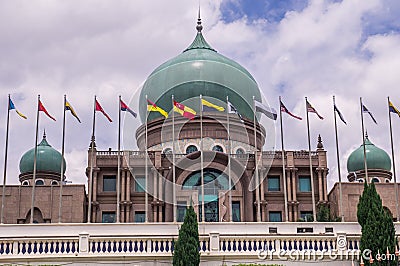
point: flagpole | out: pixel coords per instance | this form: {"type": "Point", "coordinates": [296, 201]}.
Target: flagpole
{"type": "Point", "coordinates": [255, 164]}
{"type": "Point", "coordinates": [338, 162]}
{"type": "Point", "coordinates": [146, 197]}
{"type": "Point", "coordinates": [62, 163]}
{"type": "Point", "coordinates": [201, 161]}
{"type": "Point", "coordinates": [173, 162]}
{"type": "Point", "coordinates": [229, 160]}
{"type": "Point", "coordinates": [363, 138]}
{"type": "Point", "coordinates": [34, 162]}
{"type": "Point", "coordinates": [89, 214]}
{"type": "Point", "coordinates": [396, 190]}
{"type": "Point", "coordinates": [119, 160]}
{"type": "Point", "coordinates": [3, 196]}
{"type": "Point", "coordinates": [283, 163]}
{"type": "Point", "coordinates": [310, 161]}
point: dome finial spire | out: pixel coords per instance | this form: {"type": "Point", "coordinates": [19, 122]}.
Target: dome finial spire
{"type": "Point", "coordinates": [199, 27]}
{"type": "Point", "coordinates": [44, 133]}
{"type": "Point", "coordinates": [366, 134]}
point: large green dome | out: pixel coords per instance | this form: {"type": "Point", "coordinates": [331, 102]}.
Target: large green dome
{"type": "Point", "coordinates": [48, 159]}
{"type": "Point", "coordinates": [376, 158]}
{"type": "Point", "coordinates": [199, 70]}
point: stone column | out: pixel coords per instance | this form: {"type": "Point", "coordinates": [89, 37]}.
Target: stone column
{"type": "Point", "coordinates": [94, 209]}
{"type": "Point", "coordinates": [123, 189]}
{"type": "Point", "coordinates": [294, 191]}
{"type": "Point", "coordinates": [320, 191]}
{"type": "Point", "coordinates": [263, 202]}
{"type": "Point", "coordinates": [155, 195]}
{"type": "Point", "coordinates": [325, 172]}
{"type": "Point", "coordinates": [128, 196]}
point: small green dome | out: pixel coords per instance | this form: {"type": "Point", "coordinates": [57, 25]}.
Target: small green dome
{"type": "Point", "coordinates": [48, 159]}
{"type": "Point", "coordinates": [199, 70]}
{"type": "Point", "coordinates": [376, 158]}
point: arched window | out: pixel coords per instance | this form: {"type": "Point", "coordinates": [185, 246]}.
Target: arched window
{"type": "Point", "coordinates": [25, 183]}
{"type": "Point", "coordinates": [387, 180]}
{"type": "Point", "coordinates": [54, 183]}
{"type": "Point", "coordinates": [375, 180]}
{"type": "Point", "coordinates": [39, 182]}
{"type": "Point", "coordinates": [190, 149]}
{"type": "Point", "coordinates": [360, 180]}
{"type": "Point", "coordinates": [239, 151]}
{"type": "Point", "coordinates": [167, 151]}
{"type": "Point", "coordinates": [218, 148]}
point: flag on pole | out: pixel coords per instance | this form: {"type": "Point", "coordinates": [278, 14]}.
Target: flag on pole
{"type": "Point", "coordinates": [285, 110]}
{"type": "Point", "coordinates": [152, 107]}
{"type": "Point", "coordinates": [41, 108]}
{"type": "Point", "coordinates": [12, 107]}
{"type": "Point", "coordinates": [100, 109]}
{"type": "Point", "coordinates": [365, 110]}
{"type": "Point", "coordinates": [212, 106]}
{"type": "Point", "coordinates": [269, 112]}
{"type": "Point", "coordinates": [184, 110]}
{"type": "Point", "coordinates": [125, 108]}
{"type": "Point", "coordinates": [232, 109]}
{"type": "Point", "coordinates": [69, 107]}
{"type": "Point", "coordinates": [311, 109]}
{"type": "Point", "coordinates": [393, 109]}
{"type": "Point", "coordinates": [339, 113]}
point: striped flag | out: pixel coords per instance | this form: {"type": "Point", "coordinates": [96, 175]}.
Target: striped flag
{"type": "Point", "coordinates": [68, 107]}
{"type": "Point", "coordinates": [152, 107]}
{"type": "Point", "coordinates": [365, 110]}
{"type": "Point", "coordinates": [393, 109]}
{"type": "Point", "coordinates": [43, 109]}
{"type": "Point", "coordinates": [212, 106]}
{"type": "Point", "coordinates": [311, 109]}
{"type": "Point", "coordinates": [339, 113]}
{"type": "Point", "coordinates": [269, 112]}
{"type": "Point", "coordinates": [184, 110]}
{"type": "Point", "coordinates": [232, 109]}
{"type": "Point", "coordinates": [285, 110]}
{"type": "Point", "coordinates": [11, 106]}
{"type": "Point", "coordinates": [100, 109]}
{"type": "Point", "coordinates": [125, 108]}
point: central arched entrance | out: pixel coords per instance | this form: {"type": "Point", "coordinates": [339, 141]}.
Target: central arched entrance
{"type": "Point", "coordinates": [214, 181]}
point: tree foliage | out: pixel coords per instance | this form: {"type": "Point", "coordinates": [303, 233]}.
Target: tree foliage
{"type": "Point", "coordinates": [378, 233]}
{"type": "Point", "coordinates": [186, 249]}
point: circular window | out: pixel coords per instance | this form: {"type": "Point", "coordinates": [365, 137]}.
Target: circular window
{"type": "Point", "coordinates": [25, 183]}
{"type": "Point", "coordinates": [239, 151]}
{"type": "Point", "coordinates": [190, 149]}
{"type": "Point", "coordinates": [39, 182]}
{"type": "Point", "coordinates": [54, 183]}
{"type": "Point", "coordinates": [218, 148]}
{"type": "Point", "coordinates": [168, 151]}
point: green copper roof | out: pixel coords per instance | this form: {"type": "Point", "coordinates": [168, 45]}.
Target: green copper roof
{"type": "Point", "coordinates": [48, 159]}
{"type": "Point", "coordinates": [199, 70]}
{"type": "Point", "coordinates": [376, 158]}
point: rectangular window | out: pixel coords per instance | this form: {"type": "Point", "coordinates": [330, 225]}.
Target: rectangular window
{"type": "Point", "coordinates": [275, 216]}
{"type": "Point", "coordinates": [306, 216]}
{"type": "Point", "coordinates": [108, 217]}
{"type": "Point", "coordinates": [274, 183]}
{"type": "Point", "coordinates": [235, 211]}
{"type": "Point", "coordinates": [304, 184]}
{"type": "Point", "coordinates": [140, 217]}
{"type": "Point", "coordinates": [140, 183]}
{"type": "Point", "coordinates": [181, 211]}
{"type": "Point", "coordinates": [109, 183]}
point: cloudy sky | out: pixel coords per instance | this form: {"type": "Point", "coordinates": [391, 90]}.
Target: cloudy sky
{"type": "Point", "coordinates": [293, 48]}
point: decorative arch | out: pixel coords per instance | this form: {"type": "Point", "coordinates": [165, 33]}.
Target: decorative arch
{"type": "Point", "coordinates": [37, 216]}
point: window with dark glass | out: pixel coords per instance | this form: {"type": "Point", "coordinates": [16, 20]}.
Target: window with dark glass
{"type": "Point", "coordinates": [239, 151]}
{"type": "Point", "coordinates": [140, 183]}
{"type": "Point", "coordinates": [109, 183]}
{"type": "Point", "coordinates": [235, 211]}
{"type": "Point", "coordinates": [190, 149]}
{"type": "Point", "coordinates": [274, 183]}
{"type": "Point", "coordinates": [39, 182]}
{"type": "Point", "coordinates": [181, 211]}
{"type": "Point", "coordinates": [275, 216]}
{"type": "Point", "coordinates": [306, 216]}
{"type": "Point", "coordinates": [140, 217]}
{"type": "Point", "coordinates": [218, 148]}
{"type": "Point", "coordinates": [108, 217]}
{"type": "Point", "coordinates": [304, 184]}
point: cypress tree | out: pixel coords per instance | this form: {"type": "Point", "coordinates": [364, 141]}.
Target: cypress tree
{"type": "Point", "coordinates": [377, 226]}
{"type": "Point", "coordinates": [186, 249]}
